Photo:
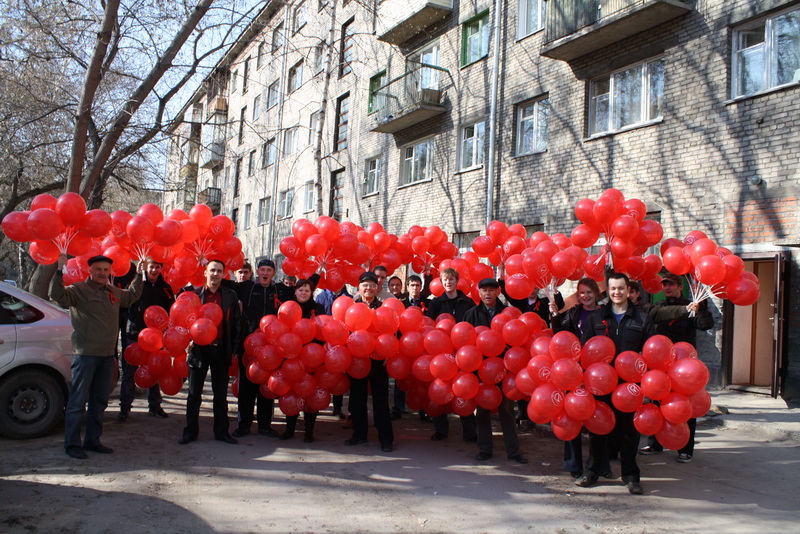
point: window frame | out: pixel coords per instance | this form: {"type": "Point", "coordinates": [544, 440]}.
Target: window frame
{"type": "Point", "coordinates": [246, 75]}
{"type": "Point", "coordinates": [269, 153]}
{"type": "Point", "coordinates": [260, 53]}
{"type": "Point", "coordinates": [277, 38]}
{"type": "Point", "coordinates": [300, 9]}
{"type": "Point", "coordinates": [295, 77]}
{"type": "Point", "coordinates": [346, 54]}
{"type": "Point", "coordinates": [477, 148]}
{"type": "Point", "coordinates": [376, 82]}
{"type": "Point", "coordinates": [534, 116]}
{"type": "Point", "coordinates": [273, 94]}
{"type": "Point", "coordinates": [309, 196]}
{"type": "Point", "coordinates": [251, 162]}
{"type": "Point", "coordinates": [313, 122]}
{"type": "Point", "coordinates": [285, 203]}
{"type": "Point", "coordinates": [484, 25]}
{"type": "Point", "coordinates": [290, 134]}
{"type": "Point", "coordinates": [256, 108]}
{"type": "Point", "coordinates": [242, 117]}
{"type": "Point", "coordinates": [341, 130]}
{"type": "Point", "coordinates": [248, 209]}
{"type": "Point", "coordinates": [523, 8]}
{"type": "Point", "coordinates": [371, 176]}
{"type": "Point", "coordinates": [264, 205]}
{"type": "Point", "coordinates": [429, 141]}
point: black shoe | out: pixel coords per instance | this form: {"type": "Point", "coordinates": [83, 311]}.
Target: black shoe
{"type": "Point", "coordinates": [123, 415]}
{"type": "Point", "coordinates": [585, 481]}
{"type": "Point", "coordinates": [576, 474]}
{"type": "Point", "coordinates": [634, 487]}
{"type": "Point", "coordinates": [338, 413]}
{"type": "Point", "coordinates": [684, 458]}
{"type": "Point", "coordinates": [186, 438]}
{"type": "Point", "coordinates": [483, 456]}
{"type": "Point", "coordinates": [354, 441]}
{"type": "Point", "coordinates": [438, 436]}
{"type": "Point", "coordinates": [286, 435]}
{"type": "Point", "coordinates": [268, 432]}
{"type": "Point", "coordinates": [158, 411]}
{"type": "Point", "coordinates": [76, 452]}
{"type": "Point", "coordinates": [308, 437]}
{"type": "Point", "coordinates": [239, 432]}
{"type": "Point", "coordinates": [608, 474]}
{"type": "Point", "coordinates": [395, 416]}
{"type": "Point", "coordinates": [227, 438]}
{"type": "Point", "coordinates": [387, 447]}
{"type": "Point", "coordinates": [518, 458]}
{"type": "Point", "coordinates": [647, 450]}
{"type": "Point", "coordinates": [102, 449]}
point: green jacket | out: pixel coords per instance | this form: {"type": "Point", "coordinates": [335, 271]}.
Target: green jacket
{"type": "Point", "coordinates": [94, 310]}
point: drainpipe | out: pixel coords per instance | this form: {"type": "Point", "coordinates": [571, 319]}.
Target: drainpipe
{"type": "Point", "coordinates": [490, 163]}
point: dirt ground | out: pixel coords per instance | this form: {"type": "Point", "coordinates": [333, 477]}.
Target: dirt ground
{"type": "Point", "coordinates": [738, 482]}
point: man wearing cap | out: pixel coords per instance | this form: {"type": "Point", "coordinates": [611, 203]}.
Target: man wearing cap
{"type": "Point", "coordinates": [259, 297]}
{"type": "Point", "coordinates": [482, 315]}
{"type": "Point", "coordinates": [94, 310]}
{"type": "Point", "coordinates": [680, 329]}
{"type": "Point", "coordinates": [378, 380]}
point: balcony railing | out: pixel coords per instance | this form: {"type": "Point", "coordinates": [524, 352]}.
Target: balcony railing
{"type": "Point", "coordinates": [574, 28]}
{"type": "Point", "coordinates": [212, 155]}
{"type": "Point", "coordinates": [400, 20]}
{"type": "Point", "coordinates": [408, 99]}
{"type": "Point", "coordinates": [211, 197]}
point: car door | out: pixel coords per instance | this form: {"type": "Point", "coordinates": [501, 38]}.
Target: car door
{"type": "Point", "coordinates": [8, 331]}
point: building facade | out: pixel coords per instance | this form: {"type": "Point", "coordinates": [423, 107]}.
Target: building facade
{"type": "Point", "coordinates": [454, 113]}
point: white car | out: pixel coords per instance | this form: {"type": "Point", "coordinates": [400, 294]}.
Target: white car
{"type": "Point", "coordinates": [35, 359]}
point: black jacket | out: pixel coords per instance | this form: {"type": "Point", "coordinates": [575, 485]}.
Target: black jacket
{"type": "Point", "coordinates": [630, 333]}
{"type": "Point", "coordinates": [232, 331]}
{"type": "Point", "coordinates": [258, 301]}
{"type": "Point", "coordinates": [478, 315]}
{"type": "Point", "coordinates": [685, 328]}
{"type": "Point", "coordinates": [158, 293]}
{"type": "Point", "coordinates": [457, 307]}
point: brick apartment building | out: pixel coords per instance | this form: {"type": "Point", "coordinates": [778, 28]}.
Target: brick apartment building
{"type": "Point", "coordinates": [458, 112]}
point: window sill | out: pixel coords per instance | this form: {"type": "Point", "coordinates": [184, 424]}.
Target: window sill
{"type": "Point", "coordinates": [468, 169]}
{"type": "Point", "coordinates": [623, 130]}
{"type": "Point", "coordinates": [412, 184]}
{"type": "Point", "coordinates": [482, 58]}
{"type": "Point", "coordinates": [771, 90]}
{"type": "Point", "coordinates": [525, 155]}
{"type": "Point", "coordinates": [373, 194]}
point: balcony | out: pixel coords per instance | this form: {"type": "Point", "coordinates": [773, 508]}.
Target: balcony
{"type": "Point", "coordinates": [211, 197]}
{"type": "Point", "coordinates": [574, 28]}
{"type": "Point", "coordinates": [212, 155]}
{"type": "Point", "coordinates": [400, 20]}
{"type": "Point", "coordinates": [409, 99]}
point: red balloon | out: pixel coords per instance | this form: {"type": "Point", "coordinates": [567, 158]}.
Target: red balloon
{"type": "Point", "coordinates": [440, 391]}
{"type": "Point", "coordinates": [710, 270]}
{"type": "Point", "coordinates": [335, 332]}
{"type": "Point", "coordinates": [566, 374]}
{"type": "Point", "coordinates": [600, 378]}
{"type": "Point", "coordinates": [516, 359]}
{"type": "Point", "coordinates": [657, 352]}
{"type": "Point", "coordinates": [547, 400]}
{"type": "Point", "coordinates": [43, 252]}
{"type": "Point", "coordinates": [411, 319]}
{"type": "Point", "coordinates": [144, 378]}
{"type": "Point", "coordinates": [655, 385]}
{"type": "Point", "coordinates": [312, 355]}
{"type": "Point", "coordinates": [597, 349]}
{"type": "Point", "coordinates": [361, 343]}
{"type": "Point", "coordinates": [421, 368]}
{"type": "Point", "coordinates": [627, 397]}
{"type": "Point", "coordinates": [564, 427]}
{"type": "Point", "coordinates": [464, 407]}
{"type": "Point", "coordinates": [398, 367]}
{"type": "Point", "coordinates": [140, 230]}
{"type": "Point", "coordinates": [675, 408]}
{"type": "Point", "coordinates": [584, 236]}
{"type": "Point", "coordinates": [411, 344]}
{"type": "Point", "coordinates": [175, 340]}
{"type": "Point", "coordinates": [437, 342]}
{"type": "Point", "coordinates": [540, 368]}
{"type": "Point", "coordinates": [688, 375]}
{"type": "Point", "coordinates": [338, 359]}
{"type": "Point", "coordinates": [15, 226]}
{"type": "Point", "coordinates": [602, 421]}
{"type": "Point", "coordinates": [359, 368]}
{"type": "Point", "coordinates": [525, 383]}
{"type": "Point", "coordinates": [44, 224]}
{"type": "Point", "coordinates": [701, 403]}
{"type": "Point", "coordinates": [516, 333]}
{"type": "Point", "coordinates": [743, 292]}
{"type": "Point", "coordinates": [465, 385]}
{"type": "Point", "coordinates": [135, 355]}
{"type": "Point", "coordinates": [291, 404]}
{"type": "Point", "coordinates": [203, 331]}
{"type": "Point", "coordinates": [159, 363]}
{"type": "Point", "coordinates": [648, 419]}
{"type": "Point", "coordinates": [168, 233]}
{"type": "Point", "coordinates": [156, 317]}
{"type": "Point", "coordinates": [579, 404]}
{"type": "Point", "coordinates": [469, 358]}
{"type": "Point", "coordinates": [630, 366]}
{"type": "Point", "coordinates": [565, 344]}
{"type": "Point", "coordinates": [584, 211]}
{"type": "Point", "coordinates": [43, 201]}
{"type": "Point", "coordinates": [673, 436]}
{"type": "Point", "coordinates": [386, 346]}
{"type": "Point", "coordinates": [682, 350]}
{"type": "Point", "coordinates": [171, 383]}
{"type": "Point", "coordinates": [289, 345]}
{"type": "Point", "coordinates": [150, 339]}
{"type": "Point", "coordinates": [444, 367]}
{"type": "Point", "coordinates": [490, 343]}
{"type": "Point", "coordinates": [492, 370]}
{"type": "Point", "coordinates": [70, 207]}
{"type": "Point", "coordinates": [489, 396]}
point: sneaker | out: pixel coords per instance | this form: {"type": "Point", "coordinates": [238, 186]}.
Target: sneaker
{"type": "Point", "coordinates": [158, 411]}
{"type": "Point", "coordinates": [647, 450]}
{"type": "Point", "coordinates": [239, 432]}
{"type": "Point", "coordinates": [684, 458]}
{"type": "Point", "coordinates": [585, 481]}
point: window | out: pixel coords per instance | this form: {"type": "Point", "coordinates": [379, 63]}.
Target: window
{"type": "Point", "coordinates": [235, 216]}
{"type": "Point", "coordinates": [256, 108]}
{"type": "Point", "coordinates": [295, 77]}
{"type": "Point", "coordinates": [313, 123]}
{"type": "Point", "coordinates": [342, 120]}
{"type": "Point", "coordinates": [17, 311]}
{"type": "Point", "coordinates": [272, 94]}
{"type": "Point", "coordinates": [475, 39]}
{"type": "Point", "coordinates": [336, 206]}
{"type": "Point", "coordinates": [766, 54]}
{"type": "Point", "coordinates": [377, 101]}
{"type": "Point", "coordinates": [348, 48]}
{"type": "Point", "coordinates": [531, 17]}
{"type": "Point", "coordinates": [242, 116]}
{"type": "Point", "coordinates": [237, 171]}
{"type": "Point", "coordinates": [262, 50]}
{"type": "Point", "coordinates": [247, 209]}
{"type": "Point", "coordinates": [308, 196]}
{"type": "Point", "coordinates": [425, 77]}
{"type": "Point", "coordinates": [633, 95]}
{"type": "Point", "coordinates": [319, 56]}
{"type": "Point", "coordinates": [246, 75]}
{"type": "Point", "coordinates": [251, 163]}
{"type": "Point", "coordinates": [300, 16]}
{"type": "Point", "coordinates": [268, 153]}
{"type": "Point", "coordinates": [285, 203]}
{"type": "Point", "coordinates": [290, 141]}
{"type": "Point", "coordinates": [277, 38]}
{"type": "Point", "coordinates": [263, 210]}
{"type": "Point", "coordinates": [372, 176]}
{"type": "Point", "coordinates": [227, 181]}
{"type": "Point", "coordinates": [417, 162]}
{"type": "Point", "coordinates": [532, 126]}
{"type": "Point", "coordinates": [234, 77]}
{"type": "Point", "coordinates": [472, 145]}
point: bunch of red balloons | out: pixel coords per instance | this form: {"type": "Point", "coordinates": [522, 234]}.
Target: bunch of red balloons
{"type": "Point", "coordinates": [716, 270]}
{"type": "Point", "coordinates": [426, 248]}
{"type": "Point", "coordinates": [470, 272]}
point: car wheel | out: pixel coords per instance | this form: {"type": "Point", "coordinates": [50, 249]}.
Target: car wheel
{"type": "Point", "coordinates": [31, 404]}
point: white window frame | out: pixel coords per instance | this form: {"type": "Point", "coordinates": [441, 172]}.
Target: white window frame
{"type": "Point", "coordinates": [277, 38]}
{"type": "Point", "coordinates": [526, 8]}
{"type": "Point", "coordinates": [536, 112]}
{"type": "Point", "coordinates": [234, 77]}
{"type": "Point", "coordinates": [263, 210]}
{"type": "Point", "coordinates": [767, 50]}
{"type": "Point", "coordinates": [268, 153]}
{"type": "Point", "coordinates": [273, 94]}
{"type": "Point", "coordinates": [319, 57]}
{"type": "Point", "coordinates": [248, 208]}
{"type": "Point", "coordinates": [313, 122]}
{"type": "Point", "coordinates": [285, 201]}
{"type": "Point", "coordinates": [426, 78]}
{"type": "Point", "coordinates": [608, 98]}
{"type": "Point", "coordinates": [295, 77]}
{"type": "Point", "coordinates": [262, 51]}
{"type": "Point", "coordinates": [300, 16]}
{"type": "Point", "coordinates": [410, 157]}
{"type": "Point", "coordinates": [471, 140]}
{"type": "Point", "coordinates": [251, 163]}
{"type": "Point", "coordinates": [256, 108]}
{"type": "Point", "coordinates": [290, 141]}
{"type": "Point", "coordinates": [309, 196]}
{"type": "Point", "coordinates": [372, 177]}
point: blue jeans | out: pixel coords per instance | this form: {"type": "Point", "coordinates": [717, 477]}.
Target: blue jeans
{"type": "Point", "coordinates": [91, 381]}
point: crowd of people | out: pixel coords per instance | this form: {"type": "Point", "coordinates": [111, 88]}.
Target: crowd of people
{"type": "Point", "coordinates": [96, 304]}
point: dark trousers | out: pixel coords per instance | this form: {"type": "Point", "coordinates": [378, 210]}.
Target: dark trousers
{"type": "Point", "coordinates": [309, 419]}
{"type": "Point", "coordinates": [468, 426]}
{"type": "Point", "coordinates": [338, 401]}
{"type": "Point", "coordinates": [250, 400]}
{"type": "Point", "coordinates": [687, 449]}
{"type": "Point", "coordinates": [212, 358]}
{"type": "Point", "coordinates": [573, 455]}
{"type": "Point", "coordinates": [483, 420]}
{"type": "Point", "coordinates": [378, 379]}
{"type": "Point", "coordinates": [626, 439]}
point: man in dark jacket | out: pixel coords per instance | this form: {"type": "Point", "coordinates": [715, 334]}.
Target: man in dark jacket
{"type": "Point", "coordinates": [216, 356]}
{"type": "Point", "coordinates": [629, 327]}
{"type": "Point", "coordinates": [155, 292]}
{"type": "Point", "coordinates": [481, 315]}
{"type": "Point", "coordinates": [683, 329]}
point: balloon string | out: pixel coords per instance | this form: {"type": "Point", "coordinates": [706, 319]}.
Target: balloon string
{"type": "Point", "coordinates": [63, 240]}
